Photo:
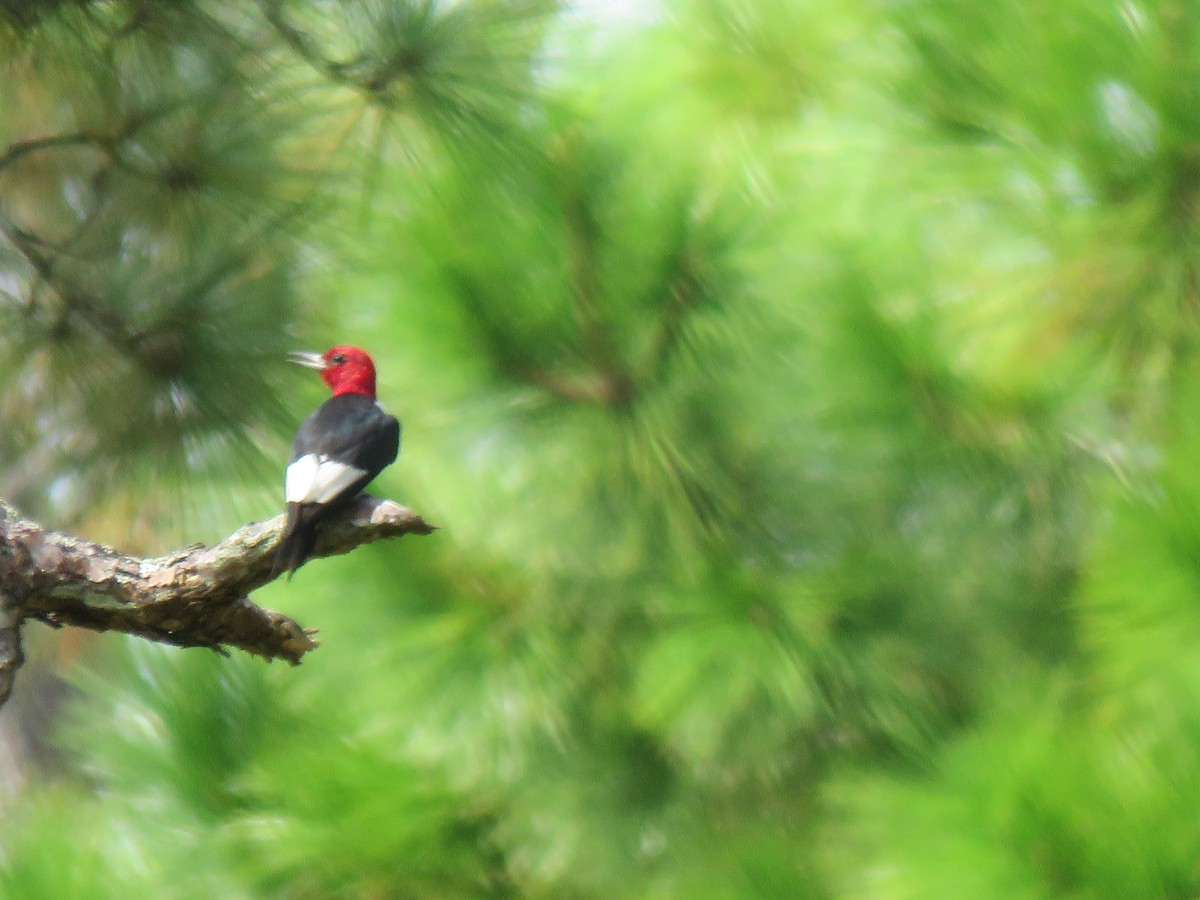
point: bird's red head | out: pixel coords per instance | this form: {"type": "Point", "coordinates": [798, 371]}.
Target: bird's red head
{"type": "Point", "coordinates": [347, 370]}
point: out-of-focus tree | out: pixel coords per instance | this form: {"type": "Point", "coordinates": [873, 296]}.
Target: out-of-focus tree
{"type": "Point", "coordinates": [805, 390]}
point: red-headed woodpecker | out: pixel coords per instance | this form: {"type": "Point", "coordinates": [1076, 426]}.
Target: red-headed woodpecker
{"type": "Point", "coordinates": [344, 444]}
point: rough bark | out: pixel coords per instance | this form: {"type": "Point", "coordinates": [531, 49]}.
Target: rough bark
{"type": "Point", "coordinates": [10, 645]}
{"type": "Point", "coordinates": [197, 597]}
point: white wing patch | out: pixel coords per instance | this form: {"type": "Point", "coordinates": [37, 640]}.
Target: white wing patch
{"type": "Point", "coordinates": [315, 478]}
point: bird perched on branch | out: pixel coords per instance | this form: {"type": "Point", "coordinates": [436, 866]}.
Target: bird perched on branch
{"type": "Point", "coordinates": [344, 444]}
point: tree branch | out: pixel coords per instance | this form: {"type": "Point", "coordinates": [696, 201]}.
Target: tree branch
{"type": "Point", "coordinates": [582, 232]}
{"type": "Point", "coordinates": [16, 151]}
{"type": "Point", "coordinates": [305, 47]}
{"type": "Point", "coordinates": [10, 645]}
{"type": "Point", "coordinates": [194, 598]}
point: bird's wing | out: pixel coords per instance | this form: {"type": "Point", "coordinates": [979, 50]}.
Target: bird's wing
{"type": "Point", "coordinates": [352, 428]}
{"type": "Point", "coordinates": [315, 478]}
{"type": "Point", "coordinates": [346, 441]}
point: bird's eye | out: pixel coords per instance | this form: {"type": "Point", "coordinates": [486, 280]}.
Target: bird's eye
{"type": "Point", "coordinates": [337, 359]}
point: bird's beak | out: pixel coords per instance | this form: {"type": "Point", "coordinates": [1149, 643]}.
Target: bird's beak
{"type": "Point", "coordinates": [308, 358]}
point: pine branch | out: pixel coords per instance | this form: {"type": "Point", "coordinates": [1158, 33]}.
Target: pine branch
{"type": "Point", "coordinates": [20, 149]}
{"type": "Point", "coordinates": [684, 293]}
{"type": "Point", "coordinates": [194, 598]}
{"type": "Point", "coordinates": [10, 644]}
{"type": "Point", "coordinates": [306, 48]}
{"type": "Point", "coordinates": [582, 233]}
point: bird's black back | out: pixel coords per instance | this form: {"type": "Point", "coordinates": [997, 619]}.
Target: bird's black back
{"type": "Point", "coordinates": [337, 429]}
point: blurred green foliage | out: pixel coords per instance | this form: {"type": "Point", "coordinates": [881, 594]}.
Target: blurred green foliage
{"type": "Point", "coordinates": [806, 392]}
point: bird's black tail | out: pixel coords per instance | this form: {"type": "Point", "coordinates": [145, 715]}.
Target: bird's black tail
{"type": "Point", "coordinates": [299, 539]}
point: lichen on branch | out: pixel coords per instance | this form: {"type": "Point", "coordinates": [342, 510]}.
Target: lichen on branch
{"type": "Point", "coordinates": [197, 597]}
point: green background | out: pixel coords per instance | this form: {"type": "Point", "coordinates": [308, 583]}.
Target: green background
{"type": "Point", "coordinates": [807, 393]}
